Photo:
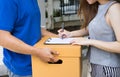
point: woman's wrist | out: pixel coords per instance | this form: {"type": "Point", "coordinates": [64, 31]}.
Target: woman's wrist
{"type": "Point", "coordinates": [91, 42]}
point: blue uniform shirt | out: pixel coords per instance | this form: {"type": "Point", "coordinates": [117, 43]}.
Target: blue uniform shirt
{"type": "Point", "coordinates": [22, 19]}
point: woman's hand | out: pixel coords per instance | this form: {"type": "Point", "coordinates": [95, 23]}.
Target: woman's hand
{"type": "Point", "coordinates": [81, 41]}
{"type": "Point", "coordinates": [64, 33]}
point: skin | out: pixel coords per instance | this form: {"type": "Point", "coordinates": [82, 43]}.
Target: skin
{"type": "Point", "coordinates": [91, 1]}
{"type": "Point", "coordinates": [112, 19]}
{"type": "Point", "coordinates": [16, 45]}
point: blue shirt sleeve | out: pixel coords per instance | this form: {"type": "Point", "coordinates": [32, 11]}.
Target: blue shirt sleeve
{"type": "Point", "coordinates": [8, 14]}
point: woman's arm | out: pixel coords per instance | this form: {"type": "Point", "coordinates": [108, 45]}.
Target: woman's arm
{"type": "Point", "coordinates": [79, 33]}
{"type": "Point", "coordinates": [107, 46]}
{"type": "Point", "coordinates": [76, 33]}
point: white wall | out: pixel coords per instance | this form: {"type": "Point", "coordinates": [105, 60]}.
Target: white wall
{"type": "Point", "coordinates": [42, 9]}
{"type": "Point", "coordinates": [56, 4]}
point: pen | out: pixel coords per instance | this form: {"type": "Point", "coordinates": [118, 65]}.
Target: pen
{"type": "Point", "coordinates": [62, 26]}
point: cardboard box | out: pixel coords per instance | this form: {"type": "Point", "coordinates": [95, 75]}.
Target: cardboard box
{"type": "Point", "coordinates": [69, 66]}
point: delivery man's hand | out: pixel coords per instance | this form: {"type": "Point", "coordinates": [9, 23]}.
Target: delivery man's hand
{"type": "Point", "coordinates": [47, 54]}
